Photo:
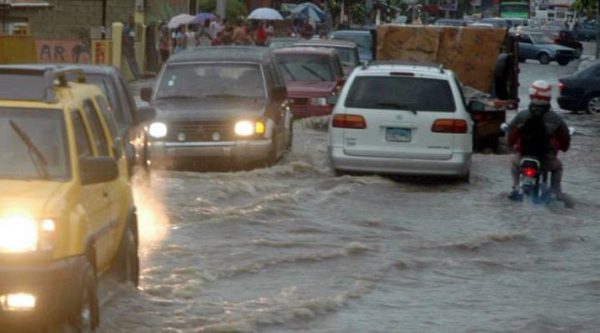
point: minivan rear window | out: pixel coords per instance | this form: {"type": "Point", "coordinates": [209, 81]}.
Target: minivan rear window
{"type": "Point", "coordinates": [400, 93]}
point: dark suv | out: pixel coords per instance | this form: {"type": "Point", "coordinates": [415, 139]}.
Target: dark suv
{"type": "Point", "coordinates": [219, 106]}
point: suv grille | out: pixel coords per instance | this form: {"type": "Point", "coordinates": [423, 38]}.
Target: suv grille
{"type": "Point", "coordinates": [200, 131]}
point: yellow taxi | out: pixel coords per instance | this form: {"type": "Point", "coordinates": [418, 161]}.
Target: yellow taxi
{"type": "Point", "coordinates": [67, 214]}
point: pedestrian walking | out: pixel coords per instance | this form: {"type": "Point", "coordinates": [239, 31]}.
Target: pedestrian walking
{"type": "Point", "coordinates": [128, 47]}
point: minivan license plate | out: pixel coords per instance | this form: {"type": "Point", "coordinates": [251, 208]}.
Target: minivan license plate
{"type": "Point", "coordinates": [397, 134]}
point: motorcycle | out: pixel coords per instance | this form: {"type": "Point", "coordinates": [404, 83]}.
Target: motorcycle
{"type": "Point", "coordinates": [534, 180]}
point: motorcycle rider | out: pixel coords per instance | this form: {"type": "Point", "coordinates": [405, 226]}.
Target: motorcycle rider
{"type": "Point", "coordinates": [539, 132]}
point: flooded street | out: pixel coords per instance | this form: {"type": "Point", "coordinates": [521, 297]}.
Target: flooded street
{"type": "Point", "coordinates": [293, 248]}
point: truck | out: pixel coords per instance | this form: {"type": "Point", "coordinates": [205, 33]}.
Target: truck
{"type": "Point", "coordinates": [484, 59]}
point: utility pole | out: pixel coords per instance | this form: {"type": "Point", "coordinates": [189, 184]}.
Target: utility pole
{"type": "Point", "coordinates": [221, 8]}
{"type": "Point", "coordinates": [598, 30]}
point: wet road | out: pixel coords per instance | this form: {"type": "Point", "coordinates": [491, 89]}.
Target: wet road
{"type": "Point", "coordinates": [294, 249]}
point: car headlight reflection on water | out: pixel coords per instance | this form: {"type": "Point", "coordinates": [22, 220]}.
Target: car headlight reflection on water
{"type": "Point", "coordinates": [158, 130]}
{"type": "Point", "coordinates": [19, 234]}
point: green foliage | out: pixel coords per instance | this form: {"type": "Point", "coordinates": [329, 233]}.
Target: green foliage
{"type": "Point", "coordinates": [233, 9]}
{"type": "Point", "coordinates": [358, 13]}
{"type": "Point", "coordinates": [584, 5]}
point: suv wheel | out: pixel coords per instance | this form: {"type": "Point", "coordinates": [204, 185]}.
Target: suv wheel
{"type": "Point", "coordinates": [593, 104]}
{"type": "Point", "coordinates": [87, 316]}
{"type": "Point", "coordinates": [273, 156]}
{"type": "Point", "coordinates": [544, 58]}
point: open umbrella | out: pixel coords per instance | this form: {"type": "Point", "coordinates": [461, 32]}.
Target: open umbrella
{"type": "Point", "coordinates": [178, 20]}
{"type": "Point", "coordinates": [309, 10]}
{"type": "Point", "coordinates": [202, 17]}
{"type": "Point", "coordinates": [265, 14]}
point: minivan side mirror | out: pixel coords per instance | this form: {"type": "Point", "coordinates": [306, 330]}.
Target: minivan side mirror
{"type": "Point", "coordinates": [476, 106]}
{"type": "Point", "coordinates": [144, 114]}
{"type": "Point", "coordinates": [332, 100]}
{"type": "Point", "coordinates": [146, 94]}
{"type": "Point", "coordinates": [279, 93]}
{"type": "Point", "coordinates": [98, 169]}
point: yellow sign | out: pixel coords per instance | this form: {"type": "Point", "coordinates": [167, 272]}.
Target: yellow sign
{"type": "Point", "coordinates": [101, 52]}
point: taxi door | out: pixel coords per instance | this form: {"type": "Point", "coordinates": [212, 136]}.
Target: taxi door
{"type": "Point", "coordinates": [110, 190]}
{"type": "Point", "coordinates": [94, 196]}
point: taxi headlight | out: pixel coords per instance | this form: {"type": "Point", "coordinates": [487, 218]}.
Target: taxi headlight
{"type": "Point", "coordinates": [19, 234]}
{"type": "Point", "coordinates": [318, 101]}
{"type": "Point", "coordinates": [17, 302]}
{"type": "Point", "coordinates": [158, 130]}
{"type": "Point", "coordinates": [248, 128]}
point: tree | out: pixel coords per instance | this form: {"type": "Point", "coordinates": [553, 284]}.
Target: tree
{"type": "Point", "coordinates": [233, 10]}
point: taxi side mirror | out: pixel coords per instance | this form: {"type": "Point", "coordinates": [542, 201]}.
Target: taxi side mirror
{"type": "Point", "coordinates": [98, 169]}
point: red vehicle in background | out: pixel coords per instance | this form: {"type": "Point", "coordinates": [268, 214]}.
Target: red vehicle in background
{"type": "Point", "coordinates": [311, 76]}
{"type": "Point", "coordinates": [567, 38]}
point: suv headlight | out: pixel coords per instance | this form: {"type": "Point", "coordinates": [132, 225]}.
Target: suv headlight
{"type": "Point", "coordinates": [19, 234]}
{"type": "Point", "coordinates": [158, 130]}
{"type": "Point", "coordinates": [318, 101]}
{"type": "Point", "coordinates": [248, 127]}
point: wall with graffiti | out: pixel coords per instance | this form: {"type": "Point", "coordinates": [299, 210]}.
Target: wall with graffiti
{"type": "Point", "coordinates": [63, 51]}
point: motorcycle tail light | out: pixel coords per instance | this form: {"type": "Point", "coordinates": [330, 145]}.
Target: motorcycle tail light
{"type": "Point", "coordinates": [529, 172]}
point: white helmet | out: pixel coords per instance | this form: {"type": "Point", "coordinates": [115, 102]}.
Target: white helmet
{"type": "Point", "coordinates": [540, 92]}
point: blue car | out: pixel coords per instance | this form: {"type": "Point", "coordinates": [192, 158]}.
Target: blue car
{"type": "Point", "coordinates": [536, 46]}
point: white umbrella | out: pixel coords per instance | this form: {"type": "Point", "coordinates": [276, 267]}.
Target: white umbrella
{"type": "Point", "coordinates": [178, 20]}
{"type": "Point", "coordinates": [265, 14]}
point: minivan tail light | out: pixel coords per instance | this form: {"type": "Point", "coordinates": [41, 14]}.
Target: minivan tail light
{"type": "Point", "coordinates": [349, 121]}
{"type": "Point", "coordinates": [456, 126]}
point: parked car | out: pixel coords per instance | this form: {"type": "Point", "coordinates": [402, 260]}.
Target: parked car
{"type": "Point", "coordinates": [311, 75]}
{"type": "Point", "coordinates": [282, 42]}
{"type": "Point", "coordinates": [586, 32]}
{"type": "Point", "coordinates": [387, 121]}
{"type": "Point", "coordinates": [346, 50]}
{"type": "Point", "coordinates": [451, 22]}
{"type": "Point", "coordinates": [535, 45]}
{"type": "Point", "coordinates": [362, 38]}
{"type": "Point", "coordinates": [581, 90]}
{"type": "Point", "coordinates": [225, 105]}
{"type": "Point", "coordinates": [497, 22]}
{"type": "Point", "coordinates": [131, 120]}
{"type": "Point", "coordinates": [67, 215]}
{"type": "Point", "coordinates": [567, 38]}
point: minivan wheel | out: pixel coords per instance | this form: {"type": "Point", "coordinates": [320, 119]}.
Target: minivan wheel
{"type": "Point", "coordinates": [593, 104]}
{"type": "Point", "coordinates": [87, 315]}
{"type": "Point", "coordinates": [544, 58]}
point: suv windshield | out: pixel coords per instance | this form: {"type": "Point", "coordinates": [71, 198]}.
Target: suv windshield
{"type": "Point", "coordinates": [305, 67]}
{"type": "Point", "coordinates": [33, 144]}
{"type": "Point", "coordinates": [400, 93]}
{"type": "Point", "coordinates": [211, 80]}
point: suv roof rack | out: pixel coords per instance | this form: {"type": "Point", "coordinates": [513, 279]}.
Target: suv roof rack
{"type": "Point", "coordinates": [440, 67]}
{"type": "Point", "coordinates": [37, 82]}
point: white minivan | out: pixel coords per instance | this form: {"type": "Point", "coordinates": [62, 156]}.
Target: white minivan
{"type": "Point", "coordinates": [396, 118]}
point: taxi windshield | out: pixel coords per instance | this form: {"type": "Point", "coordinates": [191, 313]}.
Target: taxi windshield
{"type": "Point", "coordinates": [33, 144]}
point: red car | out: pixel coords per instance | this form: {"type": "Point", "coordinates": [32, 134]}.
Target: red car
{"type": "Point", "coordinates": [311, 76]}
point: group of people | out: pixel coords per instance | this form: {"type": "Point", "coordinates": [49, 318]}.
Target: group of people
{"type": "Point", "coordinates": [213, 32]}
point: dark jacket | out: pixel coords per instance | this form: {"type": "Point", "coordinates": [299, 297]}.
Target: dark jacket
{"type": "Point", "coordinates": [555, 127]}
